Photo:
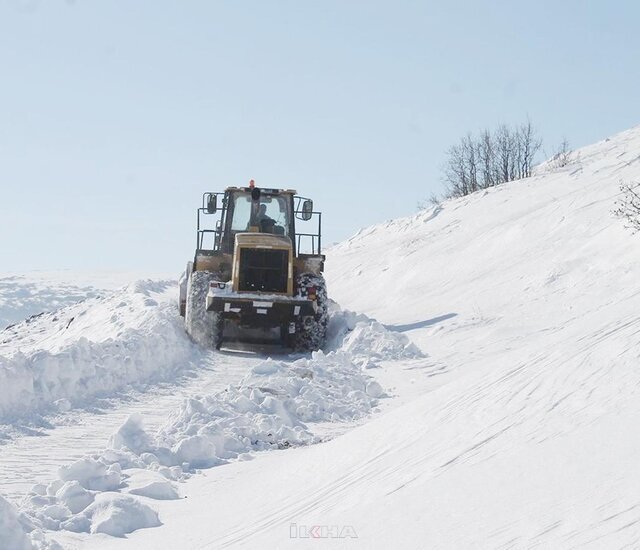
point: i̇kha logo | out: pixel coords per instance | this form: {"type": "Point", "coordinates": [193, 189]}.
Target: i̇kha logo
{"type": "Point", "coordinates": [322, 531]}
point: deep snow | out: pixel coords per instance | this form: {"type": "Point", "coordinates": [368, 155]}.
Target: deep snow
{"type": "Point", "coordinates": [57, 364]}
{"type": "Point", "coordinates": [517, 430]}
{"type": "Point", "coordinates": [95, 347]}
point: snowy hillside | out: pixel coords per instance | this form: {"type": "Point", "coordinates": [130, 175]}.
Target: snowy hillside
{"type": "Point", "coordinates": [512, 423]}
{"type": "Point", "coordinates": [529, 294]}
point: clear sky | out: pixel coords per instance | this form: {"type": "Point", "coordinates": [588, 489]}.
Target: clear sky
{"type": "Point", "coordinates": [116, 115]}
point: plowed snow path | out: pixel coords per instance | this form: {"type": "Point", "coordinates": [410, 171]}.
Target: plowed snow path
{"type": "Point", "coordinates": [32, 459]}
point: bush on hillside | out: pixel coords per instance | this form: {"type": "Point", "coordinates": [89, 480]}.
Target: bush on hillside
{"type": "Point", "coordinates": [628, 205]}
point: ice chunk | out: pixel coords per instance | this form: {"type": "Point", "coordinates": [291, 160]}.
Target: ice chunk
{"type": "Point", "coordinates": [131, 435]}
{"type": "Point", "coordinates": [117, 515]}
{"type": "Point", "coordinates": [74, 496]}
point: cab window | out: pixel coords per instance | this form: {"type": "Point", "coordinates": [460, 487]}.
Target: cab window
{"type": "Point", "coordinates": [241, 213]}
{"type": "Point", "coordinates": [273, 215]}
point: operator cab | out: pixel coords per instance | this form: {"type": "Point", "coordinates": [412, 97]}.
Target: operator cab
{"type": "Point", "coordinates": [252, 210]}
{"type": "Point", "coordinates": [270, 213]}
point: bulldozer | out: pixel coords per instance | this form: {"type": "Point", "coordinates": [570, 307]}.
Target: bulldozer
{"type": "Point", "coordinates": [257, 272]}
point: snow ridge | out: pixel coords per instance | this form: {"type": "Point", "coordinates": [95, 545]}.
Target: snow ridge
{"type": "Point", "coordinates": [96, 347]}
{"type": "Point", "coordinates": [271, 408]}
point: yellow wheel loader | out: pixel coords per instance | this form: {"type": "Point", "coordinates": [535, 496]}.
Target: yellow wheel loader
{"type": "Point", "coordinates": [256, 276]}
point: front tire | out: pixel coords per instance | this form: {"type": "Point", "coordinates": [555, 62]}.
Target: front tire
{"type": "Point", "coordinates": [204, 327]}
{"type": "Point", "coordinates": [311, 331]}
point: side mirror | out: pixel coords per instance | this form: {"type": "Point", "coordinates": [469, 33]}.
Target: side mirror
{"type": "Point", "coordinates": [212, 204]}
{"type": "Point", "coordinates": [307, 210]}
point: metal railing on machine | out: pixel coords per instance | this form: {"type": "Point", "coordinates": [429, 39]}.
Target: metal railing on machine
{"type": "Point", "coordinates": [210, 208]}
{"type": "Point", "coordinates": [303, 211]}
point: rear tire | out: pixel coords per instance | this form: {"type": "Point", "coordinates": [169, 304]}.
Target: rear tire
{"type": "Point", "coordinates": [311, 331]}
{"type": "Point", "coordinates": [183, 283]}
{"type": "Point", "coordinates": [204, 327]}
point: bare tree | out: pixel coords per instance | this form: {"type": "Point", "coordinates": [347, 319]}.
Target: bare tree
{"type": "Point", "coordinates": [628, 205]}
{"type": "Point", "coordinates": [486, 160]}
{"type": "Point", "coordinates": [490, 159]}
{"type": "Point", "coordinates": [529, 144]}
{"type": "Point", "coordinates": [505, 154]}
{"type": "Point", "coordinates": [455, 175]}
{"type": "Point", "coordinates": [470, 162]}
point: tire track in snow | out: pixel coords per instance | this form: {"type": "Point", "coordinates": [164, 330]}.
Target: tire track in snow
{"type": "Point", "coordinates": [32, 459]}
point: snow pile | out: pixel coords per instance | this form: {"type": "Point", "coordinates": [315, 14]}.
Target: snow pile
{"type": "Point", "coordinates": [366, 340]}
{"type": "Point", "coordinates": [268, 409]}
{"type": "Point", "coordinates": [16, 536]}
{"type": "Point", "coordinates": [114, 514]}
{"type": "Point", "coordinates": [92, 348]}
{"type": "Point", "coordinates": [12, 534]}
{"type": "Point", "coordinates": [95, 495]}
{"type": "Point", "coordinates": [271, 408]}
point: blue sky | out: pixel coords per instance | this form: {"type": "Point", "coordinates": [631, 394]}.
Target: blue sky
{"type": "Point", "coordinates": [115, 116]}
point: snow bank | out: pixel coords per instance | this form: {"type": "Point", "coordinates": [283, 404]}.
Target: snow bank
{"type": "Point", "coordinates": [366, 340]}
{"type": "Point", "coordinates": [93, 348]}
{"type": "Point", "coordinates": [271, 408]}
{"type": "Point", "coordinates": [12, 534]}
{"type": "Point", "coordinates": [20, 535]}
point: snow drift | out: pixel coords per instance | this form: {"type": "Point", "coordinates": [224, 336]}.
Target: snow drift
{"type": "Point", "coordinates": [95, 347]}
{"type": "Point", "coordinates": [528, 293]}
{"type": "Point", "coordinates": [272, 407]}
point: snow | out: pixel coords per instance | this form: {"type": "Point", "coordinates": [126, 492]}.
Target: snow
{"type": "Point", "coordinates": [12, 534]}
{"type": "Point", "coordinates": [94, 347]}
{"type": "Point", "coordinates": [517, 429]}
{"type": "Point", "coordinates": [22, 296]}
{"type": "Point", "coordinates": [270, 408]}
{"type": "Point", "coordinates": [115, 515]}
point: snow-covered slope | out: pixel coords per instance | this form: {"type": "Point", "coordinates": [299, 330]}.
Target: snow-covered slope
{"type": "Point", "coordinates": [518, 430]}
{"type": "Point", "coordinates": [529, 292]}
{"type": "Point", "coordinates": [529, 295]}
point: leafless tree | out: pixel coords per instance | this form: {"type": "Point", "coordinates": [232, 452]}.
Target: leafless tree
{"type": "Point", "coordinates": [455, 173]}
{"type": "Point", "coordinates": [470, 161]}
{"type": "Point", "coordinates": [528, 145]}
{"type": "Point", "coordinates": [490, 159]}
{"type": "Point", "coordinates": [628, 205]}
{"type": "Point", "coordinates": [486, 159]}
{"type": "Point", "coordinates": [505, 154]}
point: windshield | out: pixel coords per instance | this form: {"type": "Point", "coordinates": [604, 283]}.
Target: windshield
{"type": "Point", "coordinates": [269, 215]}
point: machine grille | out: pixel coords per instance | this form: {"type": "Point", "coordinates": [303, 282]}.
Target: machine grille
{"type": "Point", "coordinates": [263, 270]}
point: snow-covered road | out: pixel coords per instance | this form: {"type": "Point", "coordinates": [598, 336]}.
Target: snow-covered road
{"type": "Point", "coordinates": [36, 456]}
{"type": "Point", "coordinates": [106, 402]}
